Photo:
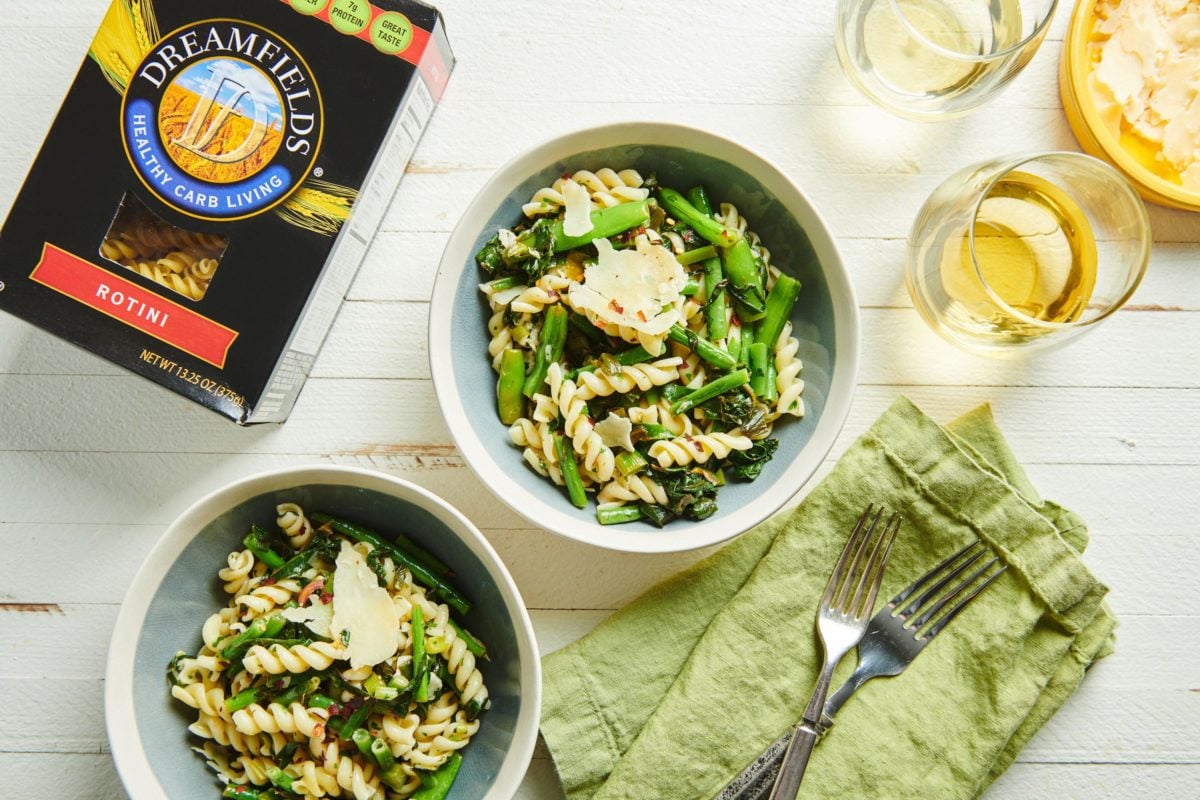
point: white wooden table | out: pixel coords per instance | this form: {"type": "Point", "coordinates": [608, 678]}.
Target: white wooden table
{"type": "Point", "coordinates": [95, 462]}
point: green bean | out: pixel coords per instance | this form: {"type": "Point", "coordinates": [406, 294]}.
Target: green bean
{"type": "Point", "coordinates": [362, 739]}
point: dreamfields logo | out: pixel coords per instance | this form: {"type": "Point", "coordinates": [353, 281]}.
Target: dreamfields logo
{"type": "Point", "coordinates": [222, 119]}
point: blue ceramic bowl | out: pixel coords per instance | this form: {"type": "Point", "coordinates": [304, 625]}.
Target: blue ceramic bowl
{"type": "Point", "coordinates": [177, 589]}
{"type": "Point", "coordinates": [825, 319]}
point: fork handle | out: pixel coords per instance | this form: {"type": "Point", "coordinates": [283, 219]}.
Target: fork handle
{"type": "Point", "coordinates": [795, 762]}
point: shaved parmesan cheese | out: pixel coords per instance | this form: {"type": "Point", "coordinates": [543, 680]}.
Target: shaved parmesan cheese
{"type": "Point", "coordinates": [614, 431]}
{"type": "Point", "coordinates": [364, 609]}
{"type": "Point", "coordinates": [578, 219]}
{"type": "Point", "coordinates": [638, 288]}
{"type": "Point", "coordinates": [317, 617]}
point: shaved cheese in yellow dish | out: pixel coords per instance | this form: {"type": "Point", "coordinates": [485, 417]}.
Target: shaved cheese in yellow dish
{"type": "Point", "coordinates": [363, 609]}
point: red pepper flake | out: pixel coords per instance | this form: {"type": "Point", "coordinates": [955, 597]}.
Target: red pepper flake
{"type": "Point", "coordinates": [326, 597]}
{"type": "Point", "coordinates": [615, 306]}
{"type": "Point", "coordinates": [334, 709]}
{"type": "Point", "coordinates": [268, 581]}
{"type": "Point", "coordinates": [642, 316]}
{"type": "Point", "coordinates": [696, 444]}
{"type": "Point", "coordinates": [316, 585]}
{"type": "Point", "coordinates": [319, 731]}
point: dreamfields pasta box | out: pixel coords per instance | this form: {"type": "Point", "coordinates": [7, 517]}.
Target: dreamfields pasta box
{"type": "Point", "coordinates": [212, 182]}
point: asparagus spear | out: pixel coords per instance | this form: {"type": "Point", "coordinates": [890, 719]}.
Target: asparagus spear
{"type": "Point", "coordinates": [631, 462]}
{"type": "Point", "coordinates": [420, 666]}
{"type": "Point", "coordinates": [699, 254]}
{"type": "Point", "coordinates": [509, 400]}
{"type": "Point", "coordinates": [474, 645]}
{"type": "Point", "coordinates": [618, 515]}
{"type": "Point", "coordinates": [779, 308]}
{"type": "Point", "coordinates": [605, 223]}
{"type": "Point", "coordinates": [256, 543]}
{"type": "Point", "coordinates": [570, 471]}
{"type": "Point", "coordinates": [626, 358]}
{"type": "Point", "coordinates": [714, 293]}
{"type": "Point", "coordinates": [389, 771]}
{"type": "Point", "coordinates": [708, 391]}
{"type": "Point", "coordinates": [708, 228]}
{"type": "Point", "coordinates": [772, 389]}
{"type": "Point", "coordinates": [698, 196]}
{"type": "Point", "coordinates": [744, 282]}
{"type": "Point", "coordinates": [758, 369]}
{"type": "Point", "coordinates": [550, 348]}
{"type": "Point", "coordinates": [701, 347]}
{"type": "Point", "coordinates": [261, 628]}
{"type": "Point", "coordinates": [280, 778]}
{"type": "Point", "coordinates": [419, 569]}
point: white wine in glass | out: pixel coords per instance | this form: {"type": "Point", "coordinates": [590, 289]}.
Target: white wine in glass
{"type": "Point", "coordinates": [1020, 253]}
{"type": "Point", "coordinates": [934, 58]}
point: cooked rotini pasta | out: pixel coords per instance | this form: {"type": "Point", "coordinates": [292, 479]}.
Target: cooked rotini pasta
{"type": "Point", "coordinates": [605, 188]}
{"type": "Point", "coordinates": [639, 361]}
{"type": "Point", "coordinates": [787, 375]}
{"type": "Point", "coordinates": [332, 671]}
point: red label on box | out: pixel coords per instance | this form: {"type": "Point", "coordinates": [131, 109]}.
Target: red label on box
{"type": "Point", "coordinates": [134, 305]}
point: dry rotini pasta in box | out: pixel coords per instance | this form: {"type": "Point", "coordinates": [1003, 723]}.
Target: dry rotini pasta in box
{"type": "Point", "coordinates": [213, 180]}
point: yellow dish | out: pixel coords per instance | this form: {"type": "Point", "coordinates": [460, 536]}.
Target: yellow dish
{"type": "Point", "coordinates": [1135, 159]}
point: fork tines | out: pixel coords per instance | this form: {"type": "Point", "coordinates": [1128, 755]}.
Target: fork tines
{"type": "Point", "coordinates": [943, 592]}
{"type": "Point", "coordinates": [862, 573]}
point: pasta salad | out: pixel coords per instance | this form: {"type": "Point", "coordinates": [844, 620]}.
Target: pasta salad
{"type": "Point", "coordinates": [336, 669]}
{"type": "Point", "coordinates": [642, 343]}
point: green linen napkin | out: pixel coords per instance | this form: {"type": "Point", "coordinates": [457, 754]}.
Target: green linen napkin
{"type": "Point", "coordinates": [671, 697]}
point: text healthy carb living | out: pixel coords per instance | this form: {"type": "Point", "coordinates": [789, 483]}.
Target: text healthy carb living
{"type": "Point", "coordinates": [212, 182]}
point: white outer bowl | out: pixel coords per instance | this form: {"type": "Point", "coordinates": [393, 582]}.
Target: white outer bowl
{"type": "Point", "coordinates": [511, 481]}
{"type": "Point", "coordinates": [123, 731]}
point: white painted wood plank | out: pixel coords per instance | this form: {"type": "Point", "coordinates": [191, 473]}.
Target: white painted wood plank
{"type": "Point", "coordinates": [387, 339]}
{"type": "Point", "coordinates": [94, 777]}
{"type": "Point", "coordinates": [356, 417]}
{"type": "Point", "coordinates": [1144, 551]}
{"type": "Point", "coordinates": [1109, 705]}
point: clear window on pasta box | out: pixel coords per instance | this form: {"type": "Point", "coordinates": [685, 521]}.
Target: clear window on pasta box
{"type": "Point", "coordinates": [181, 260]}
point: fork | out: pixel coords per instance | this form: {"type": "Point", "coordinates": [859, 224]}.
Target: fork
{"type": "Point", "coordinates": [894, 638]}
{"type": "Point", "coordinates": [841, 622]}
{"type": "Point", "coordinates": [901, 630]}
